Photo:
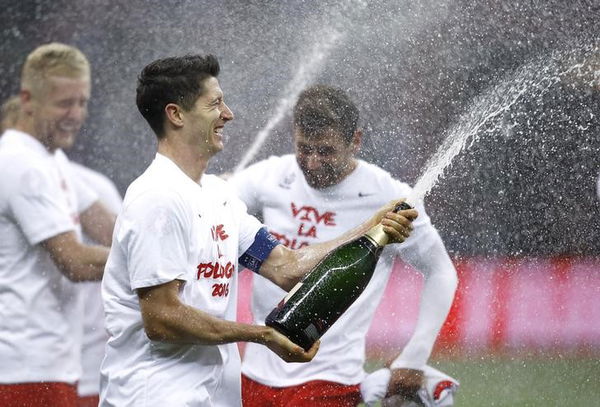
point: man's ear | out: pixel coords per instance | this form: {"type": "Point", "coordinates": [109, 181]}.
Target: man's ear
{"type": "Point", "coordinates": [26, 101]}
{"type": "Point", "coordinates": [174, 114]}
{"type": "Point", "coordinates": [357, 140]}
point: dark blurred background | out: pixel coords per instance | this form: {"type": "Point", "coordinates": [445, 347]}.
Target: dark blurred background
{"type": "Point", "coordinates": [415, 68]}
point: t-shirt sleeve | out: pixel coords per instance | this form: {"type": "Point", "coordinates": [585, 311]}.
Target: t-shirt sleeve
{"type": "Point", "coordinates": [247, 185]}
{"type": "Point", "coordinates": [155, 235]}
{"type": "Point", "coordinates": [86, 196]}
{"type": "Point", "coordinates": [249, 225]}
{"type": "Point", "coordinates": [39, 206]}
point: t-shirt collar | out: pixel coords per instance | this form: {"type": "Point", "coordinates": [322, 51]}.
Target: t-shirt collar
{"type": "Point", "coordinates": [166, 162]}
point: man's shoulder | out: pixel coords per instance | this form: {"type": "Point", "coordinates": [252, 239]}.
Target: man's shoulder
{"type": "Point", "coordinates": [268, 173]}
{"type": "Point", "coordinates": [148, 189]}
{"type": "Point", "coordinates": [16, 164]}
{"type": "Point", "coordinates": [276, 162]}
{"type": "Point", "coordinates": [216, 185]}
{"type": "Point", "coordinates": [378, 177]}
{"type": "Point", "coordinates": [14, 156]}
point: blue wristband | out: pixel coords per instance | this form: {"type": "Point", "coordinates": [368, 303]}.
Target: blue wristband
{"type": "Point", "coordinates": [263, 245]}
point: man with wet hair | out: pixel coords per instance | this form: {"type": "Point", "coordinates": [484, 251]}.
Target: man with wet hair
{"type": "Point", "coordinates": [170, 287]}
{"type": "Point", "coordinates": [306, 198]}
{"type": "Point", "coordinates": [43, 209]}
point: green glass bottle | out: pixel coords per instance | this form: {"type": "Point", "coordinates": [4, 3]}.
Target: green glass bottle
{"type": "Point", "coordinates": [326, 292]}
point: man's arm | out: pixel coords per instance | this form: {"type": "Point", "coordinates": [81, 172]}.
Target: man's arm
{"type": "Point", "coordinates": [78, 262]}
{"type": "Point", "coordinates": [404, 375]}
{"type": "Point", "coordinates": [285, 267]}
{"type": "Point", "coordinates": [436, 298]}
{"type": "Point", "coordinates": [98, 223]}
{"type": "Point", "coordinates": [167, 319]}
{"type": "Point", "coordinates": [438, 292]}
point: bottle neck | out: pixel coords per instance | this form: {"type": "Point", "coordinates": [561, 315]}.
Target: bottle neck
{"type": "Point", "coordinates": [377, 235]}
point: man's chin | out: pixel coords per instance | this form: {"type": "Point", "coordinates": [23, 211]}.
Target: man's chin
{"type": "Point", "coordinates": [63, 141]}
{"type": "Point", "coordinates": [216, 148]}
{"type": "Point", "coordinates": [317, 182]}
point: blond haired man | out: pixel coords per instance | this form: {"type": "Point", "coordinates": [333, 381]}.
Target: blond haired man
{"type": "Point", "coordinates": [43, 209]}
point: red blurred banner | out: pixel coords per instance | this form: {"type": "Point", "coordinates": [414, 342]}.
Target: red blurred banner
{"type": "Point", "coordinates": [500, 304]}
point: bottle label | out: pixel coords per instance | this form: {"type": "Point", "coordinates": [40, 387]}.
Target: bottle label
{"type": "Point", "coordinates": [292, 292]}
{"type": "Point", "coordinates": [312, 332]}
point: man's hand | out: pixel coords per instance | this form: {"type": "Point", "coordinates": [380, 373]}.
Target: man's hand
{"type": "Point", "coordinates": [398, 226]}
{"type": "Point", "coordinates": [385, 383]}
{"type": "Point", "coordinates": [405, 383]}
{"type": "Point", "coordinates": [374, 387]}
{"type": "Point", "coordinates": [286, 349]}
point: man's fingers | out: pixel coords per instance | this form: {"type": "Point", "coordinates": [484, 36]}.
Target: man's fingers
{"type": "Point", "coordinates": [396, 236]}
{"type": "Point", "coordinates": [403, 217]}
{"type": "Point", "coordinates": [298, 354]}
{"type": "Point", "coordinates": [398, 226]}
{"type": "Point", "coordinates": [405, 382]}
{"type": "Point", "coordinates": [313, 350]}
{"type": "Point", "coordinates": [307, 356]}
{"type": "Point", "coordinates": [410, 214]}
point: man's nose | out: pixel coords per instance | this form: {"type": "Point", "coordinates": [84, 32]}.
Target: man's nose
{"type": "Point", "coordinates": [313, 162]}
{"type": "Point", "coordinates": [226, 113]}
{"type": "Point", "coordinates": [77, 112]}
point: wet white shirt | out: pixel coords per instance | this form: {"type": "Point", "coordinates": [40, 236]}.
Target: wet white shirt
{"type": "Point", "coordinates": [94, 331]}
{"type": "Point", "coordinates": [172, 228]}
{"type": "Point", "coordinates": [40, 309]}
{"type": "Point", "coordinates": [300, 215]}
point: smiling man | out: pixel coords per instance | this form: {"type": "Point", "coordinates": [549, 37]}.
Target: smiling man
{"type": "Point", "coordinates": [320, 192]}
{"type": "Point", "coordinates": [43, 209]}
{"type": "Point", "coordinates": [170, 288]}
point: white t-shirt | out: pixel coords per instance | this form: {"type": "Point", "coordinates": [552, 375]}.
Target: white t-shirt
{"type": "Point", "coordinates": [173, 228]}
{"type": "Point", "coordinates": [94, 331]}
{"type": "Point", "coordinates": [299, 215]}
{"type": "Point", "coordinates": [40, 309]}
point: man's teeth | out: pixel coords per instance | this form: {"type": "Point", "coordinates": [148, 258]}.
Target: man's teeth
{"type": "Point", "coordinates": [66, 127]}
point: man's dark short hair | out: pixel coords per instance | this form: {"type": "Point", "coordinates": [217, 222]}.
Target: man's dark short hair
{"type": "Point", "coordinates": [172, 80]}
{"type": "Point", "coordinates": [320, 108]}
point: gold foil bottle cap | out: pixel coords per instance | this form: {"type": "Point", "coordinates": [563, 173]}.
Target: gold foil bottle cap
{"type": "Point", "coordinates": [377, 235]}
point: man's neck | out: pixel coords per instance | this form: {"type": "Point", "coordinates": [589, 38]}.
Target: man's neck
{"type": "Point", "coordinates": [347, 171]}
{"type": "Point", "coordinates": [26, 125]}
{"type": "Point", "coordinates": [187, 159]}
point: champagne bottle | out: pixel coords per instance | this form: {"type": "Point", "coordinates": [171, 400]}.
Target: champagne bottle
{"type": "Point", "coordinates": [327, 291]}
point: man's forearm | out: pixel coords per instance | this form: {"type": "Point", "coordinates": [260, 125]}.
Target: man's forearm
{"type": "Point", "coordinates": [98, 223]}
{"type": "Point", "coordinates": [167, 319]}
{"type": "Point", "coordinates": [183, 324]}
{"type": "Point", "coordinates": [78, 262]}
{"type": "Point", "coordinates": [438, 292]}
{"type": "Point", "coordinates": [285, 267]}
{"type": "Point", "coordinates": [90, 265]}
